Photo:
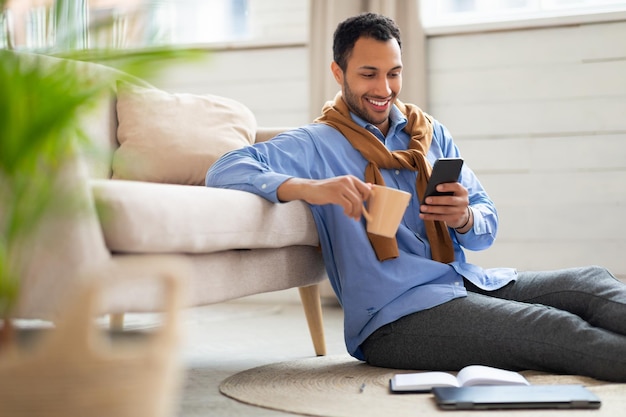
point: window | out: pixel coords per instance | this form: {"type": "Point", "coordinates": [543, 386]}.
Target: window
{"type": "Point", "coordinates": [197, 21]}
{"type": "Point", "coordinates": [34, 24]}
{"type": "Point", "coordinates": [43, 24]}
{"type": "Point", "coordinates": [460, 12]}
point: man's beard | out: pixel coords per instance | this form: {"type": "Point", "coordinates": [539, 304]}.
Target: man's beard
{"type": "Point", "coordinates": [358, 108]}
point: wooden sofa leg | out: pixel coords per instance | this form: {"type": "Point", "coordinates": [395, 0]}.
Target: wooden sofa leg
{"type": "Point", "coordinates": [116, 321]}
{"type": "Point", "coordinates": [312, 304]}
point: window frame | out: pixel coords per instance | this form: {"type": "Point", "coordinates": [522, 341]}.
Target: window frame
{"type": "Point", "coordinates": [525, 20]}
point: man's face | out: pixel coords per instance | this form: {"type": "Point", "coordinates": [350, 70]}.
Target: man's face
{"type": "Point", "coordinates": [372, 80]}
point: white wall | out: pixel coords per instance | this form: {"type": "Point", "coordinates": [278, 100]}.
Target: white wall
{"type": "Point", "coordinates": [269, 73]}
{"type": "Point", "coordinates": [272, 82]}
{"type": "Point", "coordinates": [539, 114]}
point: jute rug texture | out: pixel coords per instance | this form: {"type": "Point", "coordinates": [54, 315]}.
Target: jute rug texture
{"type": "Point", "coordinates": [341, 386]}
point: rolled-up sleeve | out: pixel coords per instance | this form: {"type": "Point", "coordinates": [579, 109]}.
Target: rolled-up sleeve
{"type": "Point", "coordinates": [483, 233]}
{"type": "Point", "coordinates": [244, 170]}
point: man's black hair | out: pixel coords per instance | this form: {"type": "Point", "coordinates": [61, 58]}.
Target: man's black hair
{"type": "Point", "coordinates": [368, 25]}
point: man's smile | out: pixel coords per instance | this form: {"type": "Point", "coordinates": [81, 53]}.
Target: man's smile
{"type": "Point", "coordinates": [379, 104]}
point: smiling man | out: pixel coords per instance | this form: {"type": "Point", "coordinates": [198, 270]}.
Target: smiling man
{"type": "Point", "coordinates": [413, 301]}
{"type": "Point", "coordinates": [372, 80]}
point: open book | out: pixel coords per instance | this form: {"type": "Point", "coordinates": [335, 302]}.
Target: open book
{"type": "Point", "coordinates": [468, 376]}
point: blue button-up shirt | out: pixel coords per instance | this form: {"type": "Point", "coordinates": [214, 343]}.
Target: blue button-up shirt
{"type": "Point", "coordinates": [372, 293]}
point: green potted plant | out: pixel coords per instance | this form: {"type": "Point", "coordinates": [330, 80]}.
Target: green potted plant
{"type": "Point", "coordinates": [38, 112]}
{"type": "Point", "coordinates": [40, 132]}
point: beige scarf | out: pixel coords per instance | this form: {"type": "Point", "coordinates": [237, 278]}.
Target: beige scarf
{"type": "Point", "coordinates": [419, 127]}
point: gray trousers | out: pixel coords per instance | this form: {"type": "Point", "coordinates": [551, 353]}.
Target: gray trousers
{"type": "Point", "coordinates": [570, 321]}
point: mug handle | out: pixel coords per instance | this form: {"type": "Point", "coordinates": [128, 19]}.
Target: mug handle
{"type": "Point", "coordinates": [366, 214]}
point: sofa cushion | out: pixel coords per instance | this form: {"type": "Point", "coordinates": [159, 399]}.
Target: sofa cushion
{"type": "Point", "coordinates": [143, 217]}
{"type": "Point", "coordinates": [175, 138]}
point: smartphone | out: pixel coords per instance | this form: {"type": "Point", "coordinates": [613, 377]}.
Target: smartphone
{"type": "Point", "coordinates": [444, 170]}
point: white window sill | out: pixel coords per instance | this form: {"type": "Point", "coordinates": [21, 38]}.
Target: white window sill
{"type": "Point", "coordinates": [510, 23]}
{"type": "Point", "coordinates": [245, 44]}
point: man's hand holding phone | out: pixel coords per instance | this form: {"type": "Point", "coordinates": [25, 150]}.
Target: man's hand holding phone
{"type": "Point", "coordinates": [445, 198]}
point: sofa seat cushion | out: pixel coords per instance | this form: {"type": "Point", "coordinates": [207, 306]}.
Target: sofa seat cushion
{"type": "Point", "coordinates": [144, 217]}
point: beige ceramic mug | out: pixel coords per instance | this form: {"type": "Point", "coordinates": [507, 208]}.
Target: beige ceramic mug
{"type": "Point", "coordinates": [385, 209]}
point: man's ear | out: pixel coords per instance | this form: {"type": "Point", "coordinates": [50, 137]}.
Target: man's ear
{"type": "Point", "coordinates": [337, 72]}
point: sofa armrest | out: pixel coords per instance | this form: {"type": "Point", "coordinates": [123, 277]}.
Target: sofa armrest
{"type": "Point", "coordinates": [145, 217]}
{"type": "Point", "coordinates": [266, 133]}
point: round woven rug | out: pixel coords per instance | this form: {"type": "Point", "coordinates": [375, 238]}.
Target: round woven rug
{"type": "Point", "coordinates": [341, 386]}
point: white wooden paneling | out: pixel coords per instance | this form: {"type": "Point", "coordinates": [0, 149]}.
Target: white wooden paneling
{"type": "Point", "coordinates": [602, 152]}
{"type": "Point", "coordinates": [569, 116]}
{"type": "Point", "coordinates": [532, 83]}
{"type": "Point", "coordinates": [571, 191]}
{"type": "Point", "coordinates": [568, 206]}
{"type": "Point", "coordinates": [540, 116]}
{"type": "Point", "coordinates": [553, 254]}
{"type": "Point", "coordinates": [279, 19]}
{"type": "Point", "coordinates": [526, 48]}
{"type": "Point", "coordinates": [550, 80]}
{"type": "Point", "coordinates": [272, 82]}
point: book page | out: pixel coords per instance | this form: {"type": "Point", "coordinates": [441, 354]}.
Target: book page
{"type": "Point", "coordinates": [486, 375]}
{"type": "Point", "coordinates": [422, 381]}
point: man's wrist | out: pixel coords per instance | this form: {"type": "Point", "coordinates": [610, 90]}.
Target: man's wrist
{"type": "Point", "coordinates": [467, 226]}
{"type": "Point", "coordinates": [289, 190]}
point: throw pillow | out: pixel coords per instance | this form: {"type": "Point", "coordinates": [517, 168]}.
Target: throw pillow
{"type": "Point", "coordinates": [175, 138]}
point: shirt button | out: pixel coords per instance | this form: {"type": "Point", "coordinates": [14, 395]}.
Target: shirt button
{"type": "Point", "coordinates": [264, 186]}
{"type": "Point", "coordinates": [397, 172]}
{"type": "Point", "coordinates": [457, 283]}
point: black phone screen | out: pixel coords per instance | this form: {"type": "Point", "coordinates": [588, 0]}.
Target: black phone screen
{"type": "Point", "coordinates": [444, 170]}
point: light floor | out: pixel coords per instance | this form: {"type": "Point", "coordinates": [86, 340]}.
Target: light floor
{"type": "Point", "coordinates": [223, 339]}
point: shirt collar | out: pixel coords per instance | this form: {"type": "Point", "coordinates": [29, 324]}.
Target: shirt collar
{"type": "Point", "coordinates": [397, 119]}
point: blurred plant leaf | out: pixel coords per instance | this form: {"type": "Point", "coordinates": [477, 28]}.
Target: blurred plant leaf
{"type": "Point", "coordinates": [41, 106]}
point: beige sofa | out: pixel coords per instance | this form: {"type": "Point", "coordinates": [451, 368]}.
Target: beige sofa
{"type": "Point", "coordinates": [146, 204]}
